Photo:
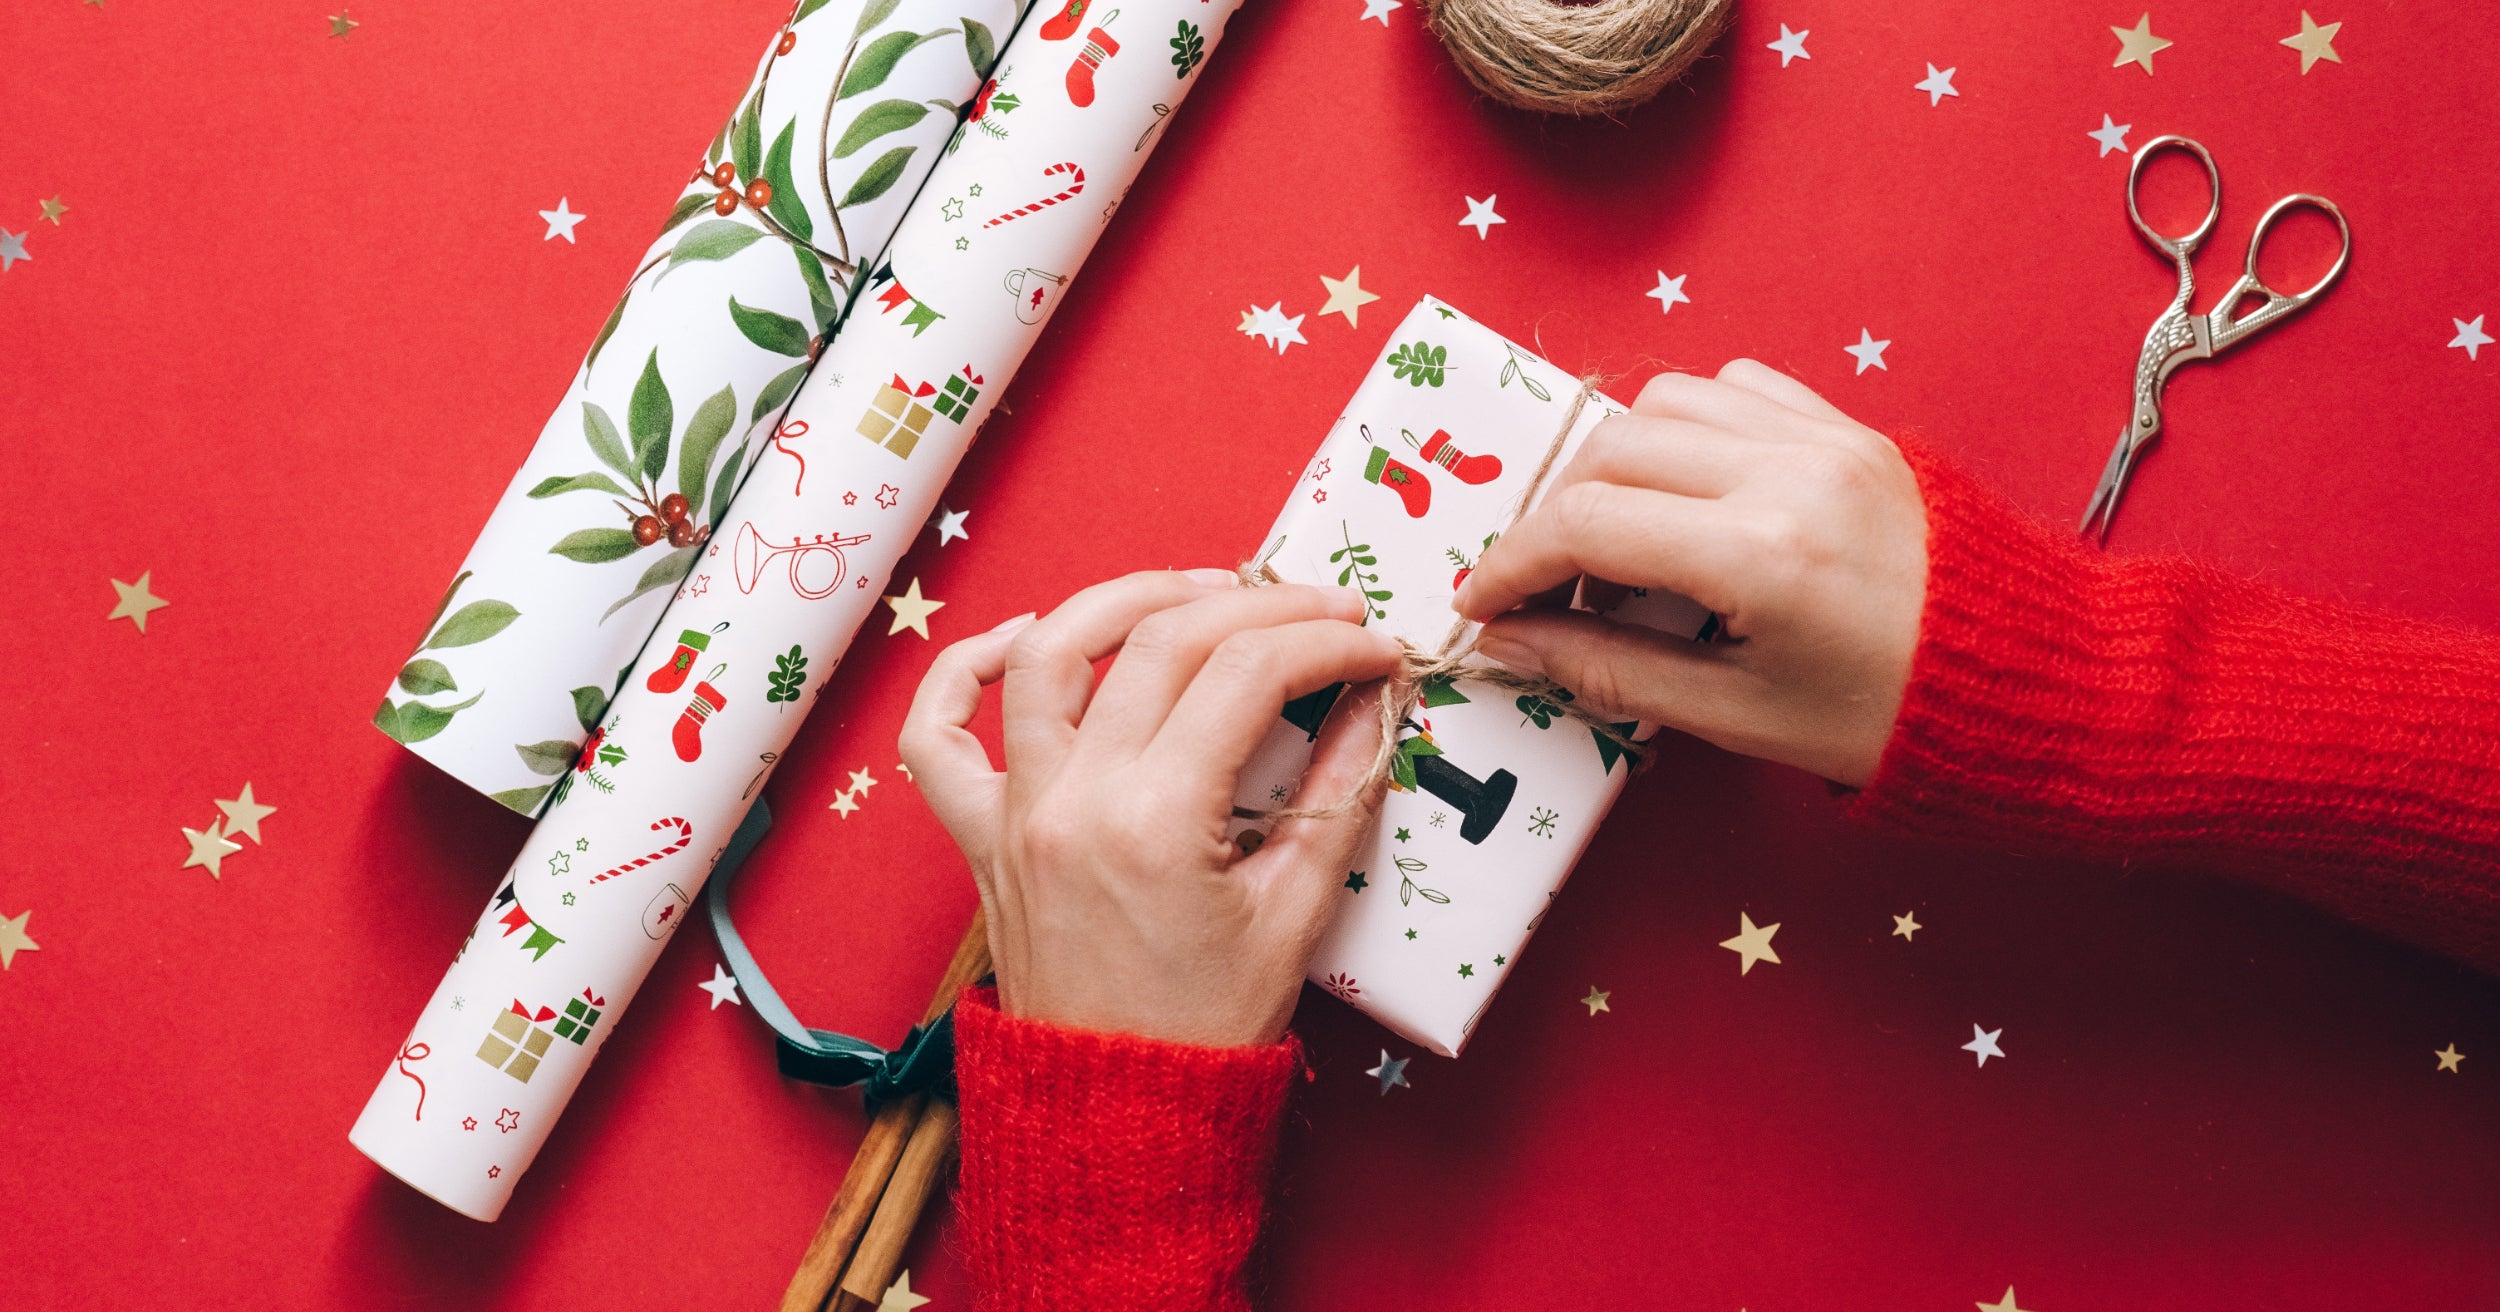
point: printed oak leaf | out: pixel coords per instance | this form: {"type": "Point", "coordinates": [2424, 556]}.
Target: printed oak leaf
{"type": "Point", "coordinates": [788, 674]}
{"type": "Point", "coordinates": [1187, 49]}
{"type": "Point", "coordinates": [1420, 364]}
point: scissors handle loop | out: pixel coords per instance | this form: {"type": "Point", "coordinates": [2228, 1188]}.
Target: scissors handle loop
{"type": "Point", "coordinates": [2177, 248]}
{"type": "Point", "coordinates": [2227, 326]}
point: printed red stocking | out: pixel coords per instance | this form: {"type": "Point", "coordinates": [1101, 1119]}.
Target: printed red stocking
{"type": "Point", "coordinates": [1062, 25]}
{"type": "Point", "coordinates": [1098, 47]}
{"type": "Point", "coordinates": [672, 676]}
{"type": "Point", "coordinates": [1405, 481]}
{"type": "Point", "coordinates": [1440, 450]}
{"type": "Point", "coordinates": [689, 732]}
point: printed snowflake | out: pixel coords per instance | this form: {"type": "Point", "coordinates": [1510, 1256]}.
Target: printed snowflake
{"type": "Point", "coordinates": [458, 1002]}
{"type": "Point", "coordinates": [1438, 817]}
{"type": "Point", "coordinates": [509, 1121]}
{"type": "Point", "coordinates": [1541, 822]}
{"type": "Point", "coordinates": [1343, 986]}
{"type": "Point", "coordinates": [1276, 794]}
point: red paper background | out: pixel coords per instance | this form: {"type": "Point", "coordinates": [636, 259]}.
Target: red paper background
{"type": "Point", "coordinates": [300, 324]}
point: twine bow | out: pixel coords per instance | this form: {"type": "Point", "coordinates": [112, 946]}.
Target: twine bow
{"type": "Point", "coordinates": [1418, 669]}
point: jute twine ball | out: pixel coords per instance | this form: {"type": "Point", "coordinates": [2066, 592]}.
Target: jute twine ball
{"type": "Point", "coordinates": [1576, 58]}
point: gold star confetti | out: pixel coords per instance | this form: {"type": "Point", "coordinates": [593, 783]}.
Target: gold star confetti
{"type": "Point", "coordinates": [1752, 943]}
{"type": "Point", "coordinates": [13, 939]}
{"type": "Point", "coordinates": [1905, 926]}
{"type": "Point", "coordinates": [341, 24]}
{"type": "Point", "coordinates": [1596, 1000]}
{"type": "Point", "coordinates": [2448, 1059]}
{"type": "Point", "coordinates": [912, 611]}
{"type": "Point", "coordinates": [2314, 42]}
{"type": "Point", "coordinates": [1346, 296]}
{"type": "Point", "coordinates": [244, 814]}
{"type": "Point", "coordinates": [209, 849]}
{"type": "Point", "coordinates": [136, 601]}
{"type": "Point", "coordinates": [844, 803]}
{"type": "Point", "coordinates": [2005, 1304]}
{"type": "Point", "coordinates": [53, 209]}
{"type": "Point", "coordinates": [899, 1297]}
{"type": "Point", "coordinates": [2138, 46]}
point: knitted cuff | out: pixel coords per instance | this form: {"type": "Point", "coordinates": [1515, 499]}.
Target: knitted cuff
{"type": "Point", "coordinates": [1108, 1171]}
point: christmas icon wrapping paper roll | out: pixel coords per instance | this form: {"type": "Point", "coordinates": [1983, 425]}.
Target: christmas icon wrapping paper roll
{"type": "Point", "coordinates": [795, 201]}
{"type": "Point", "coordinates": [1494, 794]}
{"type": "Point", "coordinates": [841, 486]}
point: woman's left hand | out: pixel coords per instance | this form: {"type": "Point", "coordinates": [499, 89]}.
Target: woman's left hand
{"type": "Point", "coordinates": [1114, 900]}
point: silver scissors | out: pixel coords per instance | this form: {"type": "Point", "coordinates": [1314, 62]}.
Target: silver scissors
{"type": "Point", "coordinates": [2179, 336]}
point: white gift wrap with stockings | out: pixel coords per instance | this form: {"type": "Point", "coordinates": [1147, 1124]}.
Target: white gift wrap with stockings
{"type": "Point", "coordinates": [847, 113]}
{"type": "Point", "coordinates": [1495, 794]}
{"type": "Point", "coordinates": [844, 483]}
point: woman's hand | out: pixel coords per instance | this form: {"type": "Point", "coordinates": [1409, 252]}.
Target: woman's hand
{"type": "Point", "coordinates": [1801, 527]}
{"type": "Point", "coordinates": [1114, 901]}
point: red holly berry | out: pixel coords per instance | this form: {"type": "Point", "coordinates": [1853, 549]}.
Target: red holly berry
{"type": "Point", "coordinates": [726, 174]}
{"type": "Point", "coordinates": [788, 40]}
{"type": "Point", "coordinates": [647, 530]}
{"type": "Point", "coordinates": [673, 508]}
{"type": "Point", "coordinates": [681, 534]}
{"type": "Point", "coordinates": [759, 193]}
{"type": "Point", "coordinates": [725, 203]}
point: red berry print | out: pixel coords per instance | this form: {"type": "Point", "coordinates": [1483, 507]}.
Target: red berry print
{"type": "Point", "coordinates": [759, 193]}
{"type": "Point", "coordinates": [647, 530]}
{"type": "Point", "coordinates": [725, 203]}
{"type": "Point", "coordinates": [673, 508]}
{"type": "Point", "coordinates": [789, 42]}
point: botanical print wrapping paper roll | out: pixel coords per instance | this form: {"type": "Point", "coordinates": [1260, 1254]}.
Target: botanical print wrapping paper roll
{"type": "Point", "coordinates": [1494, 794]}
{"type": "Point", "coordinates": [841, 486]}
{"type": "Point", "coordinates": [795, 201]}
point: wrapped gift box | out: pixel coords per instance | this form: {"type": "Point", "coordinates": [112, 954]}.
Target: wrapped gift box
{"type": "Point", "coordinates": [1494, 794]}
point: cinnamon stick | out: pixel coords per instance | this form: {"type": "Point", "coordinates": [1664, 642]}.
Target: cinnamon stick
{"type": "Point", "coordinates": [916, 1176]}
{"type": "Point", "coordinates": [881, 1150]}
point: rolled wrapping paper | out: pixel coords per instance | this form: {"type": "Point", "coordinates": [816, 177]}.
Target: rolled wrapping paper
{"type": "Point", "coordinates": [1495, 793]}
{"type": "Point", "coordinates": [796, 200]}
{"type": "Point", "coordinates": [845, 483]}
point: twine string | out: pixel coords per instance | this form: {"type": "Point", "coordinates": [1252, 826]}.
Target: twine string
{"type": "Point", "coordinates": [1418, 667]}
{"type": "Point", "coordinates": [1593, 58]}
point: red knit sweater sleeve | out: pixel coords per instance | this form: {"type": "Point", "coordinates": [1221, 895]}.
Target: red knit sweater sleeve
{"type": "Point", "coordinates": [1107, 1172]}
{"type": "Point", "coordinates": [2155, 710]}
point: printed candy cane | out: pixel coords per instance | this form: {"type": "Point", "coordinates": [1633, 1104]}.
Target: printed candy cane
{"type": "Point", "coordinates": [1076, 183]}
{"type": "Point", "coordinates": [685, 835]}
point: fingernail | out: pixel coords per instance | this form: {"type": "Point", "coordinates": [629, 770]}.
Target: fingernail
{"type": "Point", "coordinates": [1015, 623]}
{"type": "Point", "coordinates": [1517, 655]}
{"type": "Point", "coordinates": [1211, 578]}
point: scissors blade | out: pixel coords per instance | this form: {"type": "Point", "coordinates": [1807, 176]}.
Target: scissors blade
{"type": "Point", "coordinates": [2104, 504]}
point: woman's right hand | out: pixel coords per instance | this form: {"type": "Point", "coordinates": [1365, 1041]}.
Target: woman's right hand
{"type": "Point", "coordinates": [1801, 528]}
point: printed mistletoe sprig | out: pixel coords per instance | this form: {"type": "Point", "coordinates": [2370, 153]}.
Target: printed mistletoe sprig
{"type": "Point", "coordinates": [423, 676]}
{"type": "Point", "coordinates": [1421, 364]}
{"type": "Point", "coordinates": [1408, 889]}
{"type": "Point", "coordinates": [1516, 367]}
{"type": "Point", "coordinates": [654, 516]}
{"type": "Point", "coordinates": [1360, 564]}
{"type": "Point", "coordinates": [789, 674]}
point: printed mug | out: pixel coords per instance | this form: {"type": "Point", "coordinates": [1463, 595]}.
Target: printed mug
{"type": "Point", "coordinates": [1033, 290]}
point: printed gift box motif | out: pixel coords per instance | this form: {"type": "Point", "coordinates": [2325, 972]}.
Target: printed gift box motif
{"type": "Point", "coordinates": [896, 419]}
{"type": "Point", "coordinates": [518, 1041]}
{"type": "Point", "coordinates": [519, 1037]}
